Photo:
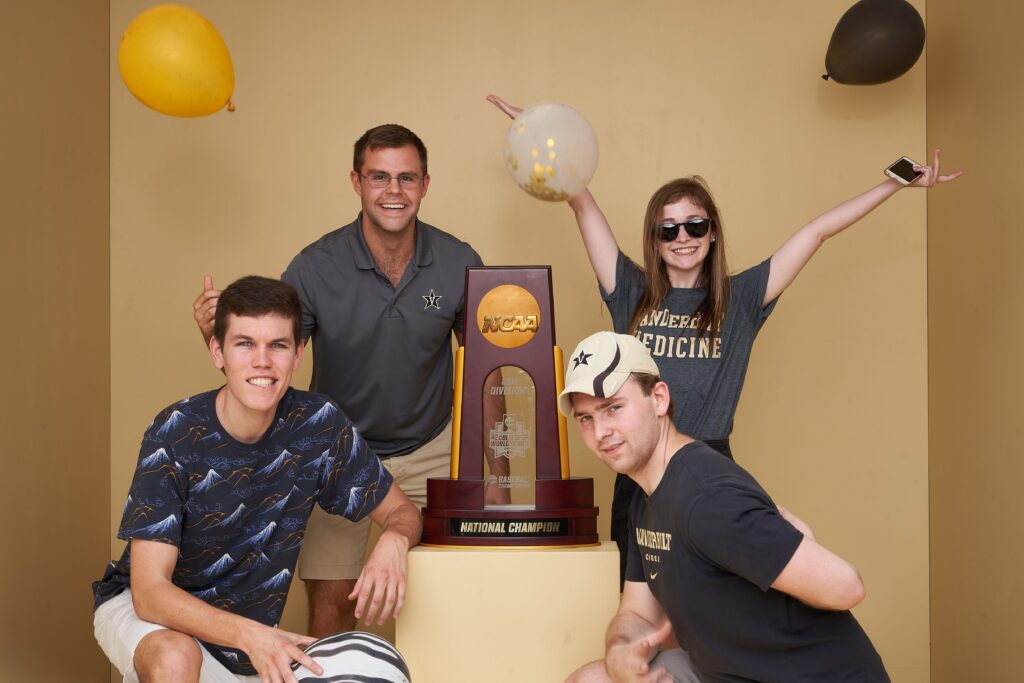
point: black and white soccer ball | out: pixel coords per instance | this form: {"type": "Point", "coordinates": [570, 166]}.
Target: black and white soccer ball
{"type": "Point", "coordinates": [355, 657]}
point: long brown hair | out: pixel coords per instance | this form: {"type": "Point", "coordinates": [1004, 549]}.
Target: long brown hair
{"type": "Point", "coordinates": [714, 273]}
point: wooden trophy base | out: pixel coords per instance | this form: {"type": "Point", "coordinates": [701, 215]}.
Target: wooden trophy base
{"type": "Point", "coordinates": [564, 516]}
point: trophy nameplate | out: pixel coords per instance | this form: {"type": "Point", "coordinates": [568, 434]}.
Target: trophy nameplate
{"type": "Point", "coordinates": [507, 433]}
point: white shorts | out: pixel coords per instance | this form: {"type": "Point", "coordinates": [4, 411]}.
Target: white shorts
{"type": "Point", "coordinates": [119, 631]}
{"type": "Point", "coordinates": [333, 547]}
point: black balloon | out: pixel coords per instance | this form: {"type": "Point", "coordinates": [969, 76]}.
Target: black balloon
{"type": "Point", "coordinates": [874, 42]}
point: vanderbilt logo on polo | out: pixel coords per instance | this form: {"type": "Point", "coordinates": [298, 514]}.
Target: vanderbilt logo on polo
{"type": "Point", "coordinates": [508, 316]}
{"type": "Point", "coordinates": [432, 300]}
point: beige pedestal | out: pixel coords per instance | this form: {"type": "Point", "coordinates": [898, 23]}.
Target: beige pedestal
{"type": "Point", "coordinates": [506, 616]}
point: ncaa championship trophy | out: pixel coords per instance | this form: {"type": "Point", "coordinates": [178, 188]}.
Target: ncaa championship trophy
{"type": "Point", "coordinates": [509, 358]}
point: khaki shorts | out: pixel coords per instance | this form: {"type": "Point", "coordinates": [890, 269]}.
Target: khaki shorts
{"type": "Point", "coordinates": [119, 631]}
{"type": "Point", "coordinates": [334, 547]}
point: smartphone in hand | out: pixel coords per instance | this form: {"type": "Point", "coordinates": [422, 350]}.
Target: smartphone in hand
{"type": "Point", "coordinates": [902, 170]}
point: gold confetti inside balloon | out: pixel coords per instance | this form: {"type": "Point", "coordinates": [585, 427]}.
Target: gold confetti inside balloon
{"type": "Point", "coordinates": [551, 151]}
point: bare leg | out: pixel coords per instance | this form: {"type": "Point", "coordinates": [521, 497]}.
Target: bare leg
{"type": "Point", "coordinates": [330, 610]}
{"type": "Point", "coordinates": [168, 657]}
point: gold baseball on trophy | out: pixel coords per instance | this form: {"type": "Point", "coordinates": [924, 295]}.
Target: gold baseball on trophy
{"type": "Point", "coordinates": [508, 316]}
{"type": "Point", "coordinates": [551, 151]}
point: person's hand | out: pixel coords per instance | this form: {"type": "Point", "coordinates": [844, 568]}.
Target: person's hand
{"type": "Point", "coordinates": [629, 661]}
{"type": "Point", "coordinates": [381, 585]}
{"type": "Point", "coordinates": [272, 651]}
{"type": "Point", "coordinates": [511, 110]}
{"type": "Point", "coordinates": [204, 308]}
{"type": "Point", "coordinates": [930, 174]}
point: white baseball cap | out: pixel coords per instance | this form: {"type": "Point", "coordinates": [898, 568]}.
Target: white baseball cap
{"type": "Point", "coordinates": [601, 364]}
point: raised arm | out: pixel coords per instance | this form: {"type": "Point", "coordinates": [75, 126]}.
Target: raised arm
{"type": "Point", "coordinates": [597, 235]}
{"type": "Point", "coordinates": [794, 254]}
{"type": "Point", "coordinates": [381, 585]}
{"type": "Point", "coordinates": [159, 601]}
{"type": "Point", "coordinates": [817, 576]}
{"type": "Point", "coordinates": [598, 240]}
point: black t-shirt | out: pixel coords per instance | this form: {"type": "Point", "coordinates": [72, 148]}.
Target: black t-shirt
{"type": "Point", "coordinates": [709, 542]}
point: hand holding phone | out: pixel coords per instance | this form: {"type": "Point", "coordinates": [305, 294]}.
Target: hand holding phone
{"type": "Point", "coordinates": [902, 170]}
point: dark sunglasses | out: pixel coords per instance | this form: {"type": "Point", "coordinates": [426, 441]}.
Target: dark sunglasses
{"type": "Point", "coordinates": [695, 228]}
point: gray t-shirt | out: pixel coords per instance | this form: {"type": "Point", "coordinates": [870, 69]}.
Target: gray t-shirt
{"type": "Point", "coordinates": [383, 353]}
{"type": "Point", "coordinates": [705, 374]}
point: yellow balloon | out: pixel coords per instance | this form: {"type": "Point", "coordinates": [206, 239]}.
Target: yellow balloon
{"type": "Point", "coordinates": [175, 62]}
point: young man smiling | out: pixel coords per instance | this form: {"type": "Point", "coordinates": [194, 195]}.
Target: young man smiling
{"type": "Point", "coordinates": [742, 583]}
{"type": "Point", "coordinates": [381, 299]}
{"type": "Point", "coordinates": [224, 486]}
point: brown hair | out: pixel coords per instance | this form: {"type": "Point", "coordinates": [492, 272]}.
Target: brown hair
{"type": "Point", "coordinates": [254, 296]}
{"type": "Point", "coordinates": [714, 274]}
{"type": "Point", "coordinates": [387, 136]}
{"type": "Point", "coordinates": [646, 383]}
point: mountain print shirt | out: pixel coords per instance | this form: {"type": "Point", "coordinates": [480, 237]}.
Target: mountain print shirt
{"type": "Point", "coordinates": [237, 512]}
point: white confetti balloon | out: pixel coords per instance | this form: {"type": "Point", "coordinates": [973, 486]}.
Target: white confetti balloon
{"type": "Point", "coordinates": [551, 151]}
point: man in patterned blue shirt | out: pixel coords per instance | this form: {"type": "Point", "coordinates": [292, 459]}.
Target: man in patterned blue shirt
{"type": "Point", "coordinates": [218, 507]}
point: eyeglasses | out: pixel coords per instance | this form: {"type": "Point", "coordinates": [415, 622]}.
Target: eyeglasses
{"type": "Point", "coordinates": [695, 228]}
{"type": "Point", "coordinates": [406, 181]}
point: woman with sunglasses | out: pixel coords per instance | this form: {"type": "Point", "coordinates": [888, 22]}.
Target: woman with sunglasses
{"type": "Point", "coordinates": [698, 321]}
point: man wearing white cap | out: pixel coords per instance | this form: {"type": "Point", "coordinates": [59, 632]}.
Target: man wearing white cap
{"type": "Point", "coordinates": [740, 582]}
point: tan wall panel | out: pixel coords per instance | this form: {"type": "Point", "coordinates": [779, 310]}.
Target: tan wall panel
{"type": "Point", "coordinates": [975, 288]}
{"type": "Point", "coordinates": [54, 254]}
{"type": "Point", "coordinates": [833, 419]}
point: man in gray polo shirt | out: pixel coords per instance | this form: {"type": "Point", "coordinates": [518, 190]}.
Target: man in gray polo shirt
{"type": "Point", "coordinates": [381, 298]}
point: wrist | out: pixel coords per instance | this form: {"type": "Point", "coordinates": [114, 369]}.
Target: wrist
{"type": "Point", "coordinates": [245, 633]}
{"type": "Point", "coordinates": [396, 537]}
{"type": "Point", "coordinates": [894, 185]}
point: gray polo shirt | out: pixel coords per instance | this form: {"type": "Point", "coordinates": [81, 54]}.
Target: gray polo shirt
{"type": "Point", "coordinates": [384, 352]}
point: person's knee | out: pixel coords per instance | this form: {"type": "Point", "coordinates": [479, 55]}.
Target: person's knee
{"type": "Point", "coordinates": [168, 656]}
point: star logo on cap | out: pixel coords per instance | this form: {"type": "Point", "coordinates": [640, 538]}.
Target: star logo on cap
{"type": "Point", "coordinates": [581, 359]}
{"type": "Point", "coordinates": [432, 300]}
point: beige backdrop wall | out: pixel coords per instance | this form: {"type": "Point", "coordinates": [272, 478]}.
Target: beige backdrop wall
{"type": "Point", "coordinates": [54, 414]}
{"type": "Point", "coordinates": [976, 391]}
{"type": "Point", "coordinates": [833, 419]}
